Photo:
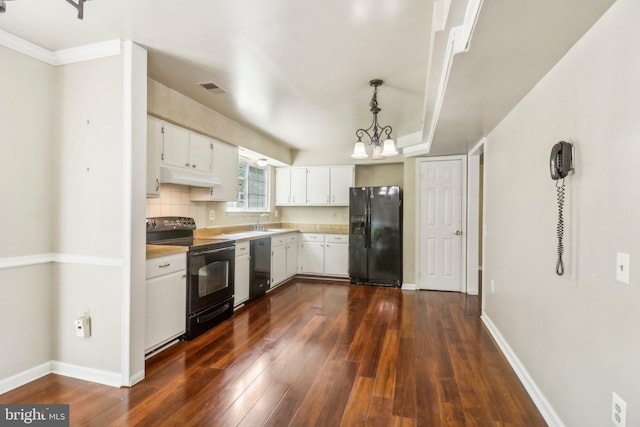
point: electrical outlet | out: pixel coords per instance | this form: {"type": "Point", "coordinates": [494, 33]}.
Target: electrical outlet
{"type": "Point", "coordinates": [212, 215]}
{"type": "Point", "coordinates": [618, 411]}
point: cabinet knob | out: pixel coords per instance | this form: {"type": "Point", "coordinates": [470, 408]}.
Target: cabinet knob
{"type": "Point", "coordinates": [193, 166]}
{"type": "Point", "coordinates": [186, 164]}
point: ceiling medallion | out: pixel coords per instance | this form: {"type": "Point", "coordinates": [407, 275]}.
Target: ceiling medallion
{"type": "Point", "coordinates": [378, 136]}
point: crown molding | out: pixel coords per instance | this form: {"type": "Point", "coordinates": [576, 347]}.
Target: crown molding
{"type": "Point", "coordinates": [64, 56]}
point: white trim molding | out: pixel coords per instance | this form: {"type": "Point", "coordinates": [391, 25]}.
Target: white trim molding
{"type": "Point", "coordinates": [64, 56]}
{"type": "Point", "coordinates": [409, 287]}
{"type": "Point", "coordinates": [87, 374]}
{"type": "Point", "coordinates": [548, 413]}
{"type": "Point", "coordinates": [28, 260]}
{"type": "Point", "coordinates": [24, 377]}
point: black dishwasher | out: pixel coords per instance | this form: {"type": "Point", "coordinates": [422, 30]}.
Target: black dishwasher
{"type": "Point", "coordinates": [260, 276]}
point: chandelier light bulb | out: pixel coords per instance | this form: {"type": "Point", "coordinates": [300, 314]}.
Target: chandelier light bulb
{"type": "Point", "coordinates": [359, 151]}
{"type": "Point", "coordinates": [389, 149]}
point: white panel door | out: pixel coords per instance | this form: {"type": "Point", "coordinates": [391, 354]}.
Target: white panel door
{"type": "Point", "coordinates": [440, 224]}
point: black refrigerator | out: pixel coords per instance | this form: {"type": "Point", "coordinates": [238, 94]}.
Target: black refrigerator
{"type": "Point", "coordinates": [375, 235]}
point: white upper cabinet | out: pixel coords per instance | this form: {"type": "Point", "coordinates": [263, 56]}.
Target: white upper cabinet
{"type": "Point", "coordinates": [185, 149]}
{"type": "Point", "coordinates": [298, 186]}
{"type": "Point", "coordinates": [318, 185]}
{"type": "Point", "coordinates": [154, 156]}
{"type": "Point", "coordinates": [175, 148]}
{"type": "Point", "coordinates": [200, 153]}
{"type": "Point", "coordinates": [225, 168]}
{"type": "Point", "coordinates": [342, 178]}
{"type": "Point", "coordinates": [283, 186]}
{"type": "Point", "coordinates": [314, 186]}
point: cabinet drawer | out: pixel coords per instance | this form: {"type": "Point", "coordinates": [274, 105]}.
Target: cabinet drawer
{"type": "Point", "coordinates": [278, 240]}
{"type": "Point", "coordinates": [242, 248]}
{"type": "Point", "coordinates": [292, 238]}
{"type": "Point", "coordinates": [336, 238]}
{"type": "Point", "coordinates": [312, 237]}
{"type": "Point", "coordinates": [165, 265]}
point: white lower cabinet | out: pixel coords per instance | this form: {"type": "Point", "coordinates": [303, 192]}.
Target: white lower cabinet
{"type": "Point", "coordinates": [242, 271]}
{"type": "Point", "coordinates": [166, 299]}
{"type": "Point", "coordinates": [284, 258]}
{"type": "Point", "coordinates": [312, 254]}
{"type": "Point", "coordinates": [324, 254]}
{"type": "Point", "coordinates": [292, 254]}
{"type": "Point", "coordinates": [336, 255]}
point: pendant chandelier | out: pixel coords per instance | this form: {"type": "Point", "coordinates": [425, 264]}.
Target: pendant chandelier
{"type": "Point", "coordinates": [377, 136]}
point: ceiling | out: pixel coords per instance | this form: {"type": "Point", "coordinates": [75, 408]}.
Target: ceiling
{"type": "Point", "coordinates": [298, 70]}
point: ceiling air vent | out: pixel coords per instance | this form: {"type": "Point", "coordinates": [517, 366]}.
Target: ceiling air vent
{"type": "Point", "coordinates": [212, 87]}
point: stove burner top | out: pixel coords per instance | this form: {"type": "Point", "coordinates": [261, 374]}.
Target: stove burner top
{"type": "Point", "coordinates": [178, 231]}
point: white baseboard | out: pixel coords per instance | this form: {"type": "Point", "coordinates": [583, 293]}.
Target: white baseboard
{"type": "Point", "coordinates": [548, 413]}
{"type": "Point", "coordinates": [24, 377]}
{"type": "Point", "coordinates": [409, 287]}
{"type": "Point", "coordinates": [136, 378]}
{"type": "Point", "coordinates": [112, 379]}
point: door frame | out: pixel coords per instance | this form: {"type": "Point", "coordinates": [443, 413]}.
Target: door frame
{"type": "Point", "coordinates": [473, 217]}
{"type": "Point", "coordinates": [463, 212]}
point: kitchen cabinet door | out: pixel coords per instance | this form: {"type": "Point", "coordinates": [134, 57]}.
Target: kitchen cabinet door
{"type": "Point", "coordinates": [318, 185]}
{"type": "Point", "coordinates": [201, 153]}
{"type": "Point", "coordinates": [283, 186]}
{"type": "Point", "coordinates": [312, 257]}
{"type": "Point", "coordinates": [299, 186]}
{"type": "Point", "coordinates": [242, 268]}
{"type": "Point", "coordinates": [175, 147]}
{"type": "Point", "coordinates": [278, 264]}
{"type": "Point", "coordinates": [165, 300]}
{"type": "Point", "coordinates": [154, 156]}
{"type": "Point", "coordinates": [336, 259]}
{"type": "Point", "coordinates": [342, 178]}
{"type": "Point", "coordinates": [292, 259]}
{"type": "Point", "coordinates": [225, 168]}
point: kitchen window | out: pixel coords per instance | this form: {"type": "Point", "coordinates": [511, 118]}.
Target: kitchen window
{"type": "Point", "coordinates": [253, 188]}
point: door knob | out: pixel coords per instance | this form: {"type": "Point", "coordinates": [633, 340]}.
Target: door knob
{"type": "Point", "coordinates": [458, 232]}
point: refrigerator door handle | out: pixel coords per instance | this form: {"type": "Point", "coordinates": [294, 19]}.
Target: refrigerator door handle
{"type": "Point", "coordinates": [367, 227]}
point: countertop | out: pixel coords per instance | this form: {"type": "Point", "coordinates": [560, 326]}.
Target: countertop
{"type": "Point", "coordinates": [155, 251]}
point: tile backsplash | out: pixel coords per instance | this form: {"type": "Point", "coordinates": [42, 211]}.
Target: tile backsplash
{"type": "Point", "coordinates": [175, 200]}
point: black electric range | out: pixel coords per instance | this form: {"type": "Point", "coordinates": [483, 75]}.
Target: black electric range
{"type": "Point", "coordinates": [210, 271]}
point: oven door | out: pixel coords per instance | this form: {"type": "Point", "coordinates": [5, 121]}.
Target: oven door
{"type": "Point", "coordinates": [211, 277]}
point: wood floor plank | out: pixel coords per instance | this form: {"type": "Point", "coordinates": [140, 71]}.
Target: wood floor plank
{"type": "Point", "coordinates": [315, 353]}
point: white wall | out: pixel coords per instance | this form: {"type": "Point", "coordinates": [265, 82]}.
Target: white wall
{"type": "Point", "coordinates": [25, 191]}
{"type": "Point", "coordinates": [72, 161]}
{"type": "Point", "coordinates": [576, 334]}
{"type": "Point", "coordinates": [89, 203]}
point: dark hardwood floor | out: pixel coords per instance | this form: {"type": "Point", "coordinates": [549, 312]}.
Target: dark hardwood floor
{"type": "Point", "coordinates": [317, 353]}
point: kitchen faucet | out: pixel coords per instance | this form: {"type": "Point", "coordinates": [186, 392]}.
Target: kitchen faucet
{"type": "Point", "coordinates": [258, 226]}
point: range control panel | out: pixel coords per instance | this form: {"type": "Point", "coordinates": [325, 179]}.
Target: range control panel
{"type": "Point", "coordinates": [164, 223]}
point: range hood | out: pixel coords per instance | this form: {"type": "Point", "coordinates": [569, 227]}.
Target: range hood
{"type": "Point", "coordinates": [170, 175]}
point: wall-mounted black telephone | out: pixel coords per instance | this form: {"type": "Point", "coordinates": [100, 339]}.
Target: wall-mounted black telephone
{"type": "Point", "coordinates": [560, 164]}
{"type": "Point", "coordinates": [561, 161]}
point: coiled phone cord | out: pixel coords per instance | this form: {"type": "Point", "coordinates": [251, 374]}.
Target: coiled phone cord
{"type": "Point", "coordinates": [560, 228]}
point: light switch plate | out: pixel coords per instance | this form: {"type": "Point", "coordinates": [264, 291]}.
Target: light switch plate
{"type": "Point", "coordinates": [622, 268]}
